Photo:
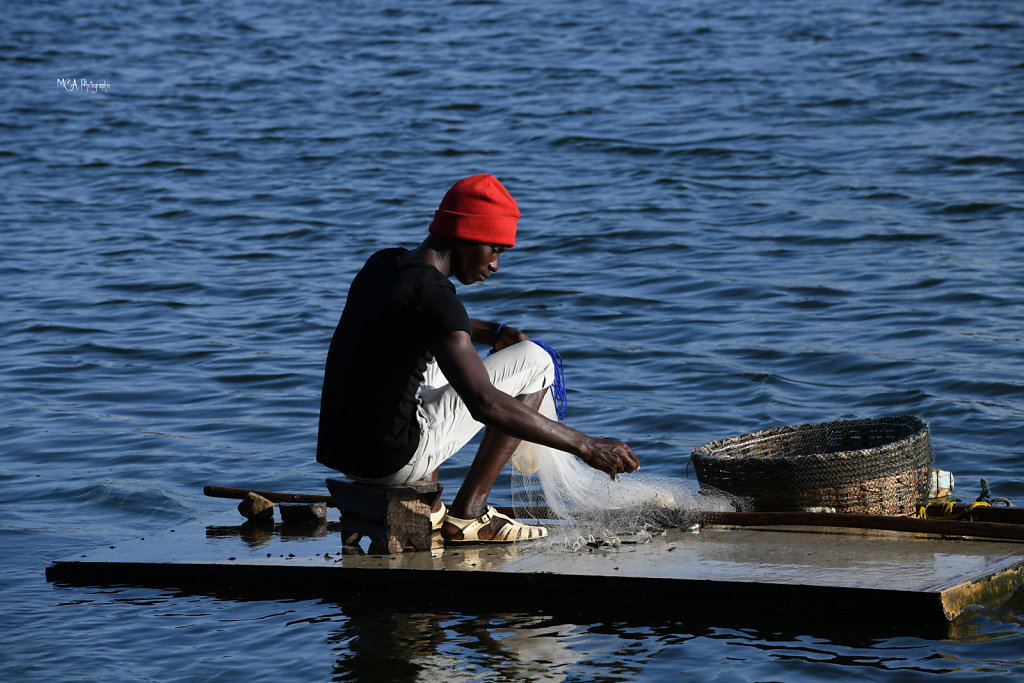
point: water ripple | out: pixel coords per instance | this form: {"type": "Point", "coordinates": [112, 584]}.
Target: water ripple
{"type": "Point", "coordinates": [734, 216]}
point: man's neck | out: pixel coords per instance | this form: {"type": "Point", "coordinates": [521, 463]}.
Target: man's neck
{"type": "Point", "coordinates": [431, 255]}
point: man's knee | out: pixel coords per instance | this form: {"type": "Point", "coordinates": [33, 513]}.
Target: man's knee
{"type": "Point", "coordinates": [523, 367]}
{"type": "Point", "coordinates": [542, 358]}
{"type": "Point", "coordinates": [541, 361]}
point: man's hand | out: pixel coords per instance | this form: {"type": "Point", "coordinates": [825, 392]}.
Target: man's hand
{"type": "Point", "coordinates": [610, 456]}
{"type": "Point", "coordinates": [507, 336]}
{"type": "Point", "coordinates": [496, 335]}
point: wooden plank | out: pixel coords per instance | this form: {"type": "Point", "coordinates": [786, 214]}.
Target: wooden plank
{"type": "Point", "coordinates": [986, 588]}
{"type": "Point", "coordinates": [240, 493]}
{"type": "Point", "coordinates": [659, 598]}
{"type": "Point", "coordinates": [882, 522]}
{"type": "Point", "coordinates": [982, 513]}
{"type": "Point", "coordinates": [784, 572]}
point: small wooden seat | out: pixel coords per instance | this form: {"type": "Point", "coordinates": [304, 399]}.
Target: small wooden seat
{"type": "Point", "coordinates": [395, 518]}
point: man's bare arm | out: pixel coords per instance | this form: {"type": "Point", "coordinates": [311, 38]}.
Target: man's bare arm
{"type": "Point", "coordinates": [496, 335]}
{"type": "Point", "coordinates": [461, 365]}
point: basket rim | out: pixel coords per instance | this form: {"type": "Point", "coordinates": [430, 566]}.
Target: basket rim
{"type": "Point", "coordinates": [710, 450]}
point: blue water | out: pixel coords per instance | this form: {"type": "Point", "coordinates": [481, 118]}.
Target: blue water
{"type": "Point", "coordinates": [736, 215]}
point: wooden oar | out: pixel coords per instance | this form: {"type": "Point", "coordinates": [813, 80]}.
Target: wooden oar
{"type": "Point", "coordinates": [239, 494]}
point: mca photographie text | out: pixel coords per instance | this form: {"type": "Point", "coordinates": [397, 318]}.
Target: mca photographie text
{"type": "Point", "coordinates": [83, 85]}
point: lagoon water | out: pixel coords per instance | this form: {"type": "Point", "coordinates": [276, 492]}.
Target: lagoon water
{"type": "Point", "coordinates": [736, 215]}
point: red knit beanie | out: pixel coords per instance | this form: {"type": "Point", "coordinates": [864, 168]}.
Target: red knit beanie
{"type": "Point", "coordinates": [478, 208]}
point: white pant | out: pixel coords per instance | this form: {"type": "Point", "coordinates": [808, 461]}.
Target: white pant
{"type": "Point", "coordinates": [445, 422]}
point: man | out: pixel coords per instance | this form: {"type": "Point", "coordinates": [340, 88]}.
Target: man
{"type": "Point", "coordinates": [404, 388]}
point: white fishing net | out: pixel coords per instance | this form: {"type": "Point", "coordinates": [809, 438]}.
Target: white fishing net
{"type": "Point", "coordinates": [593, 509]}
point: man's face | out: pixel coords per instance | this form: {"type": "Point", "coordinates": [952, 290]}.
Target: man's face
{"type": "Point", "coordinates": [475, 262]}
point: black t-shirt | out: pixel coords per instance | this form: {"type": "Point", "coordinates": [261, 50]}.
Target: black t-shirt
{"type": "Point", "coordinates": [394, 314]}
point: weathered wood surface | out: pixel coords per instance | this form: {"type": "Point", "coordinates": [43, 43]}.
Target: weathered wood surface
{"type": "Point", "coordinates": [881, 522]}
{"type": "Point", "coordinates": [396, 517]}
{"type": "Point", "coordinates": [984, 513]}
{"type": "Point", "coordinates": [858, 574]}
{"type": "Point", "coordinates": [303, 513]}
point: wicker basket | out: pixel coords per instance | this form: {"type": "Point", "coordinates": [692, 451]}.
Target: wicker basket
{"type": "Point", "coordinates": [875, 465]}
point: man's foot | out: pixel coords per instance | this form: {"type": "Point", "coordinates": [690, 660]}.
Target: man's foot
{"type": "Point", "coordinates": [490, 527]}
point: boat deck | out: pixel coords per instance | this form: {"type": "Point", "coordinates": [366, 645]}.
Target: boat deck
{"type": "Point", "coordinates": [776, 571]}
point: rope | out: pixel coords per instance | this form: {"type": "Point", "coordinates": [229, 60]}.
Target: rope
{"type": "Point", "coordinates": [948, 513]}
{"type": "Point", "coordinates": [986, 494]}
{"type": "Point", "coordinates": [558, 386]}
{"type": "Point", "coordinates": [984, 500]}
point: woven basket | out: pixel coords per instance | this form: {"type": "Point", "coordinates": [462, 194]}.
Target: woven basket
{"type": "Point", "coordinates": [874, 466]}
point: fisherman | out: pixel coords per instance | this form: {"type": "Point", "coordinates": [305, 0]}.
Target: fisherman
{"type": "Point", "coordinates": [404, 388]}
